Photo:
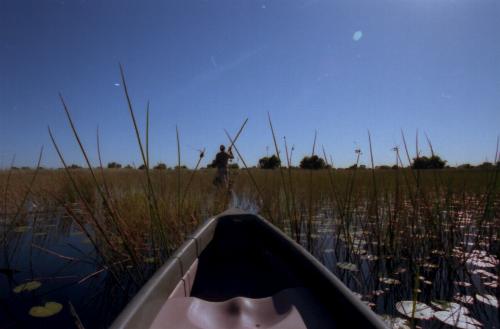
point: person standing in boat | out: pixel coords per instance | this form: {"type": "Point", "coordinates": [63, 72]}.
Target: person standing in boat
{"type": "Point", "coordinates": [221, 163]}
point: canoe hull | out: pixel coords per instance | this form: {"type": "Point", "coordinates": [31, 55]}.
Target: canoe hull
{"type": "Point", "coordinates": [237, 254]}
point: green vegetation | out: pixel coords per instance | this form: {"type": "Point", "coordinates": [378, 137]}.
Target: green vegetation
{"type": "Point", "coordinates": [271, 162]}
{"type": "Point", "coordinates": [385, 233]}
{"type": "Point", "coordinates": [312, 162]}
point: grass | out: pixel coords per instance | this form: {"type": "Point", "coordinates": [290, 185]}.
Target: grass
{"type": "Point", "coordinates": [387, 229]}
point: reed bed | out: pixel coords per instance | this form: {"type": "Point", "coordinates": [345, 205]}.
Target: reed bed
{"type": "Point", "coordinates": [396, 237]}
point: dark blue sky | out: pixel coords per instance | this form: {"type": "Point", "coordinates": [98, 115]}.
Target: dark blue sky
{"type": "Point", "coordinates": [207, 65]}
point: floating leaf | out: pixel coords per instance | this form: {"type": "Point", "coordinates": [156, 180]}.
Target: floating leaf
{"type": "Point", "coordinates": [492, 284]}
{"type": "Point", "coordinates": [488, 299]}
{"type": "Point", "coordinates": [28, 286]}
{"type": "Point", "coordinates": [149, 260]}
{"type": "Point", "coordinates": [457, 319]}
{"type": "Point", "coordinates": [415, 310]}
{"type": "Point", "coordinates": [357, 294]}
{"type": "Point", "coordinates": [399, 270]}
{"type": "Point", "coordinates": [485, 274]}
{"type": "Point", "coordinates": [463, 284]}
{"type": "Point", "coordinates": [389, 281]}
{"type": "Point", "coordinates": [395, 322]}
{"type": "Point", "coordinates": [348, 266]}
{"type": "Point", "coordinates": [450, 306]}
{"type": "Point", "coordinates": [466, 299]}
{"type": "Point", "coordinates": [21, 229]}
{"type": "Point", "coordinates": [49, 309]}
{"type": "Point", "coordinates": [370, 257]}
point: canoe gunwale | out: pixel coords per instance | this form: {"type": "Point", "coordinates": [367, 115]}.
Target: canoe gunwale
{"type": "Point", "coordinates": [143, 308]}
{"type": "Point", "coordinates": [139, 313]}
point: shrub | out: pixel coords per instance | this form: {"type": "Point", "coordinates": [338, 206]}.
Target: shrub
{"type": "Point", "coordinates": [271, 162]}
{"type": "Point", "coordinates": [423, 162]}
{"type": "Point", "coordinates": [486, 165]}
{"type": "Point", "coordinates": [160, 166]}
{"type": "Point", "coordinates": [312, 162]}
{"type": "Point", "coordinates": [114, 165]}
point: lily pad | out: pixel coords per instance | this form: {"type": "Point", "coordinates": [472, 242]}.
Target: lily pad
{"type": "Point", "coordinates": [488, 299]}
{"type": "Point", "coordinates": [450, 306]}
{"type": "Point", "coordinates": [466, 299]}
{"type": "Point", "coordinates": [21, 229]}
{"type": "Point", "coordinates": [463, 284]}
{"type": "Point", "coordinates": [149, 260]}
{"type": "Point", "coordinates": [457, 319]}
{"type": "Point", "coordinates": [492, 284]}
{"type": "Point", "coordinates": [390, 281]}
{"type": "Point", "coordinates": [416, 310]}
{"type": "Point", "coordinates": [28, 286]}
{"type": "Point", "coordinates": [348, 266]}
{"type": "Point", "coordinates": [395, 322]}
{"type": "Point", "coordinates": [49, 309]}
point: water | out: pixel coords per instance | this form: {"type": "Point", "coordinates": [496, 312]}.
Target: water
{"type": "Point", "coordinates": [52, 250]}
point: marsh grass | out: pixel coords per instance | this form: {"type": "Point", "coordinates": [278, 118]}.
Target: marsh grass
{"type": "Point", "coordinates": [390, 235]}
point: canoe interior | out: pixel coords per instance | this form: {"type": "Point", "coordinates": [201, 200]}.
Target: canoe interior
{"type": "Point", "coordinates": [242, 255]}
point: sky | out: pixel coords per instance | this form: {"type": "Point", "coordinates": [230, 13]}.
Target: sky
{"type": "Point", "coordinates": [339, 68]}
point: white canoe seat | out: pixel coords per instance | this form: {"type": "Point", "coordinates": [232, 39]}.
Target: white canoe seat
{"type": "Point", "coordinates": [288, 309]}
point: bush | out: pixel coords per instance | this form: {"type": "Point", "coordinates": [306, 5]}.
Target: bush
{"type": "Point", "coordinates": [160, 166]}
{"type": "Point", "coordinates": [271, 162]}
{"type": "Point", "coordinates": [486, 165]}
{"type": "Point", "coordinates": [434, 162]}
{"type": "Point", "coordinates": [114, 165]}
{"type": "Point", "coordinates": [465, 166]}
{"type": "Point", "coordinates": [312, 162]}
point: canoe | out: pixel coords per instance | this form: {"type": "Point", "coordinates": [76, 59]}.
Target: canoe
{"type": "Point", "coordinates": [238, 271]}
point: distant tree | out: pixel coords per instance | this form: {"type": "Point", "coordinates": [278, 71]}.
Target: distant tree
{"type": "Point", "coordinates": [181, 167]}
{"type": "Point", "coordinates": [25, 168]}
{"type": "Point", "coordinates": [233, 166]}
{"type": "Point", "coordinates": [383, 167]}
{"type": "Point", "coordinates": [129, 167]}
{"type": "Point", "coordinates": [74, 166]}
{"type": "Point", "coordinates": [160, 166]}
{"type": "Point", "coordinates": [312, 162]}
{"type": "Point", "coordinates": [142, 167]}
{"type": "Point", "coordinates": [271, 162]}
{"type": "Point", "coordinates": [423, 162]}
{"type": "Point", "coordinates": [354, 166]}
{"type": "Point", "coordinates": [114, 165]}
{"type": "Point", "coordinates": [14, 168]}
{"type": "Point", "coordinates": [362, 167]}
{"type": "Point", "coordinates": [465, 166]}
{"type": "Point", "coordinates": [395, 167]}
{"type": "Point", "coordinates": [486, 165]}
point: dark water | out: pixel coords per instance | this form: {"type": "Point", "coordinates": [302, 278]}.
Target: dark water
{"type": "Point", "coordinates": [51, 249]}
{"type": "Point", "coordinates": [383, 281]}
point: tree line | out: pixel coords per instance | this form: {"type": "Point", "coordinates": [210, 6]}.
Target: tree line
{"type": "Point", "coordinates": [313, 162]}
